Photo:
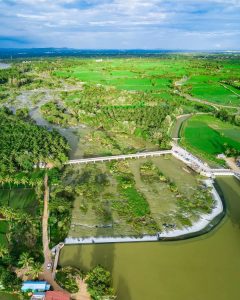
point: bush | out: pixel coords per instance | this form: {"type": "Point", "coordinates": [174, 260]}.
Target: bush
{"type": "Point", "coordinates": [66, 277]}
{"type": "Point", "coordinates": [99, 283]}
{"type": "Point", "coordinates": [9, 280]}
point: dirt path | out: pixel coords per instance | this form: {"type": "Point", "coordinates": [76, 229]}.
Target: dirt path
{"type": "Point", "coordinates": [215, 105]}
{"type": "Point", "coordinates": [180, 82]}
{"type": "Point", "coordinates": [227, 88]}
{"type": "Point", "coordinates": [47, 274]}
{"type": "Point", "coordinates": [232, 164]}
{"type": "Point", "coordinates": [83, 293]}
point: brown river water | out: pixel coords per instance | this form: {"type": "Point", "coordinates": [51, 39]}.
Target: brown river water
{"type": "Point", "coordinates": [203, 268]}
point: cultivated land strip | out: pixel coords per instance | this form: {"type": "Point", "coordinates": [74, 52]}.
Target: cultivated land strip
{"type": "Point", "coordinates": [180, 82]}
{"type": "Point", "coordinates": [194, 99]}
{"type": "Point", "coordinates": [228, 88]}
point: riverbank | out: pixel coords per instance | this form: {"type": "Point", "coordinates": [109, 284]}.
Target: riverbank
{"type": "Point", "coordinates": [205, 266]}
{"type": "Point", "coordinates": [205, 223]}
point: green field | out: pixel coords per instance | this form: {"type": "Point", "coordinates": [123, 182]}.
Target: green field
{"type": "Point", "coordinates": [145, 75]}
{"type": "Point", "coordinates": [208, 136]}
{"type": "Point", "coordinates": [156, 76]}
{"type": "Point", "coordinates": [19, 198]}
{"type": "Point", "coordinates": [210, 88]}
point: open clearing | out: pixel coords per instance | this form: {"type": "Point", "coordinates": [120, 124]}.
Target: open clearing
{"type": "Point", "coordinates": [207, 136]}
{"type": "Point", "coordinates": [19, 198]}
{"type": "Point", "coordinates": [23, 199]}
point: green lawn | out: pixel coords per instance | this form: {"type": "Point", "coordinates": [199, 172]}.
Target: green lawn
{"type": "Point", "coordinates": [208, 136]}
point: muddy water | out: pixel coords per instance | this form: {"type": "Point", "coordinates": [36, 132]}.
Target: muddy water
{"type": "Point", "coordinates": [4, 66]}
{"type": "Point", "coordinates": [202, 268]}
{"type": "Point", "coordinates": [72, 135]}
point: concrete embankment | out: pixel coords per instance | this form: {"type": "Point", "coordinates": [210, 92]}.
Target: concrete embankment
{"type": "Point", "coordinates": [204, 223]}
{"type": "Point", "coordinates": [196, 229]}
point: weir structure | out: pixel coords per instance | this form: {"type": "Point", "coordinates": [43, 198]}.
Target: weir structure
{"type": "Point", "coordinates": [191, 161]}
{"type": "Point", "coordinates": [118, 157]}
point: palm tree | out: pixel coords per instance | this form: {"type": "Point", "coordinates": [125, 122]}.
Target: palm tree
{"type": "Point", "coordinates": [25, 260]}
{"type": "Point", "coordinates": [3, 251]}
{"type": "Point", "coordinates": [35, 270]}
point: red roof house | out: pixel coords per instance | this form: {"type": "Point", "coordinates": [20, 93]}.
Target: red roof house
{"type": "Point", "coordinates": [56, 295]}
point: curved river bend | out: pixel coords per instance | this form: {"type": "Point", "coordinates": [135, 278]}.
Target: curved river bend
{"type": "Point", "coordinates": [206, 268]}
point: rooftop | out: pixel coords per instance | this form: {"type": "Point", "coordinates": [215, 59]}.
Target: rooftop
{"type": "Point", "coordinates": [57, 295]}
{"type": "Point", "coordinates": [35, 286]}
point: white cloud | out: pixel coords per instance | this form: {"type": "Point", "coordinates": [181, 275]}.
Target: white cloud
{"type": "Point", "coordinates": [136, 23]}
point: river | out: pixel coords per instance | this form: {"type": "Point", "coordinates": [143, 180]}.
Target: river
{"type": "Point", "coordinates": [206, 268]}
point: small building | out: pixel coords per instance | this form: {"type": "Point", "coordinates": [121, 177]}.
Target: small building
{"type": "Point", "coordinates": [221, 156]}
{"type": "Point", "coordinates": [35, 286]}
{"type": "Point", "coordinates": [57, 295]}
{"type": "Point", "coordinates": [38, 296]}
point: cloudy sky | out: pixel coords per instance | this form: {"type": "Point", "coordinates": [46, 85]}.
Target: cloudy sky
{"type": "Point", "coordinates": [121, 24]}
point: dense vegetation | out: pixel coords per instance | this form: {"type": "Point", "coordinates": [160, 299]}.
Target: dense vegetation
{"type": "Point", "coordinates": [24, 148]}
{"type": "Point", "coordinates": [67, 278]}
{"type": "Point", "coordinates": [140, 119]}
{"type": "Point", "coordinates": [115, 106]}
{"type": "Point", "coordinates": [24, 145]}
{"type": "Point", "coordinates": [109, 200]}
{"type": "Point", "coordinates": [98, 280]}
{"type": "Point", "coordinates": [15, 77]}
{"type": "Point", "coordinates": [20, 239]}
{"type": "Point", "coordinates": [188, 208]}
{"type": "Point", "coordinates": [99, 284]}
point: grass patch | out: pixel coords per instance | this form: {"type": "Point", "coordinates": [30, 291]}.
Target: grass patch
{"type": "Point", "coordinates": [136, 203]}
{"type": "Point", "coordinates": [4, 227]}
{"type": "Point", "coordinates": [208, 136]}
{"type": "Point", "coordinates": [19, 198]}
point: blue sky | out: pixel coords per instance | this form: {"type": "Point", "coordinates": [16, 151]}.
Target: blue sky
{"type": "Point", "coordinates": [121, 24]}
